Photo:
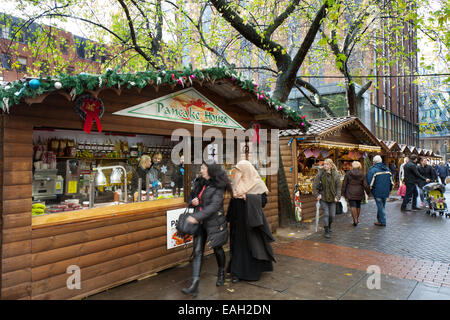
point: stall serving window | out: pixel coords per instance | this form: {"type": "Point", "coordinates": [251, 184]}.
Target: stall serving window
{"type": "Point", "coordinates": [309, 160]}
{"type": "Point", "coordinates": [75, 171]}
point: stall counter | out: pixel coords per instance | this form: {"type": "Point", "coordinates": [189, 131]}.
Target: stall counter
{"type": "Point", "coordinates": [103, 212]}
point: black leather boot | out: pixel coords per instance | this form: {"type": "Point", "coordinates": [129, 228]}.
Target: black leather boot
{"type": "Point", "coordinates": [196, 267]}
{"type": "Point", "coordinates": [220, 258]}
{"type": "Point", "coordinates": [220, 278]}
{"type": "Point", "coordinates": [193, 288]}
{"type": "Point", "coordinates": [327, 232]}
{"type": "Point", "coordinates": [329, 226]}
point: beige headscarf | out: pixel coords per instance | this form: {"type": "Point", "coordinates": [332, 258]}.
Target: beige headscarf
{"type": "Point", "coordinates": [248, 181]}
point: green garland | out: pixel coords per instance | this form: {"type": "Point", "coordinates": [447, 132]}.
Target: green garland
{"type": "Point", "coordinates": [76, 84]}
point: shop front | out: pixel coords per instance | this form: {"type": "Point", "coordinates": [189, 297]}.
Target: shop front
{"type": "Point", "coordinates": [343, 140]}
{"type": "Point", "coordinates": [73, 206]}
{"type": "Point", "coordinates": [393, 156]}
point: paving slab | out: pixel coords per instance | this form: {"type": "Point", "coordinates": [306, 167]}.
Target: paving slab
{"type": "Point", "coordinates": [411, 254]}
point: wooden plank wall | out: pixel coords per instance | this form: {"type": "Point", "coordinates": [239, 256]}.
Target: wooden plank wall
{"type": "Point", "coordinates": [109, 251]}
{"type": "Point", "coordinates": [17, 151]}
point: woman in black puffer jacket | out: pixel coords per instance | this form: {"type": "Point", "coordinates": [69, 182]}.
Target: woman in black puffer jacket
{"type": "Point", "coordinates": [207, 200]}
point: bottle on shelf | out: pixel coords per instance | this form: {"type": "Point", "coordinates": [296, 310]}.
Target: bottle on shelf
{"type": "Point", "coordinates": [80, 145]}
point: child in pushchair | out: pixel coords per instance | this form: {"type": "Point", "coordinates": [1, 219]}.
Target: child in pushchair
{"type": "Point", "coordinates": [434, 199]}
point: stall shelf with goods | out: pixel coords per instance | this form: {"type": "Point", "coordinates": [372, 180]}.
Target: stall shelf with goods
{"type": "Point", "coordinates": [53, 129]}
{"type": "Point", "coordinates": [343, 139]}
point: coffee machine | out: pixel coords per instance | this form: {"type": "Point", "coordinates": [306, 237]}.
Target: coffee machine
{"type": "Point", "coordinates": [44, 184]}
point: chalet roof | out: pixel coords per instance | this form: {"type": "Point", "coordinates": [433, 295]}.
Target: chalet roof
{"type": "Point", "coordinates": [404, 148]}
{"type": "Point", "coordinates": [226, 83]}
{"type": "Point", "coordinates": [413, 149]}
{"type": "Point", "coordinates": [393, 146]}
{"type": "Point", "coordinates": [322, 128]}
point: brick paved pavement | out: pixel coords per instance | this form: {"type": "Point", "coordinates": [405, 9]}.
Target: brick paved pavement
{"type": "Point", "coordinates": [396, 266]}
{"type": "Point", "coordinates": [411, 234]}
{"type": "Point", "coordinates": [412, 251]}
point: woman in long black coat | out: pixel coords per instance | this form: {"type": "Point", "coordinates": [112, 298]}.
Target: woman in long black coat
{"type": "Point", "coordinates": [250, 235]}
{"type": "Point", "coordinates": [207, 200]}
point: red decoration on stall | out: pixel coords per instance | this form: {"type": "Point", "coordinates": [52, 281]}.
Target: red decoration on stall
{"type": "Point", "coordinates": [90, 109]}
{"type": "Point", "coordinates": [255, 127]}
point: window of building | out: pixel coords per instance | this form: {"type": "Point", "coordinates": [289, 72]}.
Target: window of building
{"type": "Point", "coordinates": [5, 32]}
{"type": "Point", "coordinates": [64, 46]}
{"type": "Point", "coordinates": [6, 61]}
{"type": "Point", "coordinates": [22, 64]}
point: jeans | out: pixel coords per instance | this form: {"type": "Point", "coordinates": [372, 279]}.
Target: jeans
{"type": "Point", "coordinates": [329, 212]}
{"type": "Point", "coordinates": [381, 213]}
{"type": "Point", "coordinates": [411, 191]}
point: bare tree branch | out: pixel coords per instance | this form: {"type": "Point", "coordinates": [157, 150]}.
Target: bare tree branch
{"type": "Point", "coordinates": [280, 19]}
{"type": "Point", "coordinates": [133, 33]}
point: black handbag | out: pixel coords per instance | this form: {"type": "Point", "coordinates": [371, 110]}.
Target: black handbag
{"type": "Point", "coordinates": [185, 228]}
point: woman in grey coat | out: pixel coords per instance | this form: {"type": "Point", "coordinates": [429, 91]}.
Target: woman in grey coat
{"type": "Point", "coordinates": [327, 190]}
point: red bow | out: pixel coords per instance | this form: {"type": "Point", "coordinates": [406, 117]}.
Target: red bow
{"type": "Point", "coordinates": [92, 108]}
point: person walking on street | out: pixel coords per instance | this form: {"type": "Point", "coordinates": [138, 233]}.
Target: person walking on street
{"type": "Point", "coordinates": [327, 190]}
{"type": "Point", "coordinates": [353, 188]}
{"type": "Point", "coordinates": [380, 181]}
{"type": "Point", "coordinates": [442, 171]}
{"type": "Point", "coordinates": [401, 174]}
{"type": "Point", "coordinates": [250, 236]}
{"type": "Point", "coordinates": [207, 200]}
{"type": "Point", "coordinates": [412, 179]}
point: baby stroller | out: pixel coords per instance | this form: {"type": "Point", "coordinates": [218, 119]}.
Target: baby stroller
{"type": "Point", "coordinates": [435, 200]}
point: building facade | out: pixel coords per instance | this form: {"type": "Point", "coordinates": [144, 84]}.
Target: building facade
{"type": "Point", "coordinates": [35, 50]}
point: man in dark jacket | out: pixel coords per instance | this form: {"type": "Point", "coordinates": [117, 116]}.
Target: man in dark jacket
{"type": "Point", "coordinates": [380, 181]}
{"type": "Point", "coordinates": [427, 171]}
{"type": "Point", "coordinates": [442, 171]}
{"type": "Point", "coordinates": [412, 179]}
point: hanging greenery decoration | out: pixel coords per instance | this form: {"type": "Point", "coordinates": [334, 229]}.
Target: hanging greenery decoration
{"type": "Point", "coordinates": [77, 84]}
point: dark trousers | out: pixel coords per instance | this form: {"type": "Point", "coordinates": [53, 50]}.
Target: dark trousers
{"type": "Point", "coordinates": [199, 248]}
{"type": "Point", "coordinates": [411, 191]}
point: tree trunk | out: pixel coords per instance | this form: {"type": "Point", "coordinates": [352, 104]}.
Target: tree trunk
{"type": "Point", "coordinates": [283, 87]}
{"type": "Point", "coordinates": [352, 100]}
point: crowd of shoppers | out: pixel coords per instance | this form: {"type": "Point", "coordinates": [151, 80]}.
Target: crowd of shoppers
{"type": "Point", "coordinates": [250, 235]}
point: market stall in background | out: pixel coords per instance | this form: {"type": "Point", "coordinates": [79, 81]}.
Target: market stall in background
{"type": "Point", "coordinates": [394, 157]}
{"type": "Point", "coordinates": [343, 140]}
{"type": "Point", "coordinates": [70, 147]}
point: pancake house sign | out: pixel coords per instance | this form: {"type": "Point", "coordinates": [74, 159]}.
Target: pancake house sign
{"type": "Point", "coordinates": [188, 106]}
